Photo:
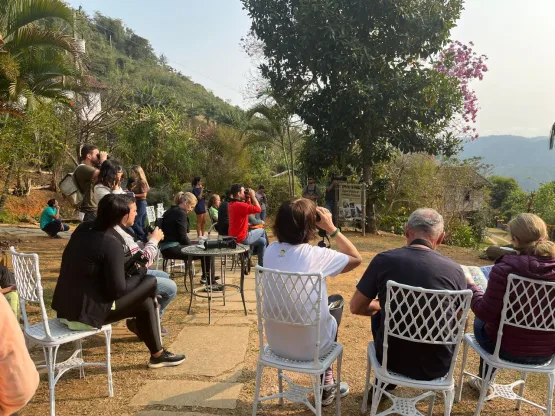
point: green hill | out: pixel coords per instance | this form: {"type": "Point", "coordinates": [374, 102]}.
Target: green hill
{"type": "Point", "coordinates": [118, 57]}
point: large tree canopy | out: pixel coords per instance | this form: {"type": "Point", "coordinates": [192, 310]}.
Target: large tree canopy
{"type": "Point", "coordinates": [359, 73]}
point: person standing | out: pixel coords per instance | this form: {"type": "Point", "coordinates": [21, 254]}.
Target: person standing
{"type": "Point", "coordinates": [85, 176]}
{"type": "Point", "coordinates": [311, 191]}
{"type": "Point", "coordinates": [108, 181]}
{"type": "Point", "coordinates": [261, 196]}
{"type": "Point", "coordinates": [331, 196]}
{"type": "Point", "coordinates": [200, 208]}
{"type": "Point", "coordinates": [140, 188]}
{"type": "Point", "coordinates": [50, 220]}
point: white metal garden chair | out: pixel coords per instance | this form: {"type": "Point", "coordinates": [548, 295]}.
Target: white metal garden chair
{"type": "Point", "coordinates": [435, 317]}
{"type": "Point", "coordinates": [151, 214]}
{"type": "Point", "coordinates": [527, 304]}
{"type": "Point", "coordinates": [51, 333]}
{"type": "Point", "coordinates": [298, 297]}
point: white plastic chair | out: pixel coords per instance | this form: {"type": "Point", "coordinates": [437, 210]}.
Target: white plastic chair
{"type": "Point", "coordinates": [434, 317]}
{"type": "Point", "coordinates": [151, 215]}
{"type": "Point", "coordinates": [159, 210]}
{"type": "Point", "coordinates": [287, 298]}
{"type": "Point", "coordinates": [527, 304]}
{"type": "Point", "coordinates": [51, 333]}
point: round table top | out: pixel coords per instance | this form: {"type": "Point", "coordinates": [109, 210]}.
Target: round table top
{"type": "Point", "coordinates": [196, 251]}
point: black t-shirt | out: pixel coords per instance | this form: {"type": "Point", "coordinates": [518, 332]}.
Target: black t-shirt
{"type": "Point", "coordinates": [6, 277]}
{"type": "Point", "coordinates": [418, 267]}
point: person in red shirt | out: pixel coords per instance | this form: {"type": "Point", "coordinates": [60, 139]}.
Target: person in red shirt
{"type": "Point", "coordinates": [239, 212]}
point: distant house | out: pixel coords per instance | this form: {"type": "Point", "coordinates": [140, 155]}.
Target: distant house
{"type": "Point", "coordinates": [91, 104]}
{"type": "Point", "coordinates": [465, 191]}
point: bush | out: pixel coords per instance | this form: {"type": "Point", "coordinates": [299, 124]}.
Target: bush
{"type": "Point", "coordinates": [392, 223]}
{"type": "Point", "coordinates": [162, 195]}
{"type": "Point", "coordinates": [277, 191]}
{"type": "Point", "coordinates": [461, 235]}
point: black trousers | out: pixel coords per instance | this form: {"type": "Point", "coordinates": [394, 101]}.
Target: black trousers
{"type": "Point", "coordinates": [139, 303]}
{"type": "Point", "coordinates": [175, 253]}
{"type": "Point", "coordinates": [336, 313]}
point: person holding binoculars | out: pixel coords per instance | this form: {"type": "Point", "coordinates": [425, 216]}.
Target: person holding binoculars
{"type": "Point", "coordinates": [85, 176]}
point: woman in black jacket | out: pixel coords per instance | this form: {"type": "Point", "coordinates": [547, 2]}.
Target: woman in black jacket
{"type": "Point", "coordinates": [94, 288]}
{"type": "Point", "coordinates": [175, 224]}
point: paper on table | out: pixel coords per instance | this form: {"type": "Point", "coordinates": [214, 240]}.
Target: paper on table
{"type": "Point", "coordinates": [477, 274]}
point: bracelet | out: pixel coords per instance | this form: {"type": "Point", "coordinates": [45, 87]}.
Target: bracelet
{"type": "Point", "coordinates": [335, 233]}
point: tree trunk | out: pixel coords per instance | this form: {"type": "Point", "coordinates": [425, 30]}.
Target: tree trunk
{"type": "Point", "coordinates": [292, 159]}
{"type": "Point", "coordinates": [371, 225]}
{"type": "Point", "coordinates": [8, 179]}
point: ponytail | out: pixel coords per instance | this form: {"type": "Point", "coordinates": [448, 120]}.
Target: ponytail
{"type": "Point", "coordinates": [531, 233]}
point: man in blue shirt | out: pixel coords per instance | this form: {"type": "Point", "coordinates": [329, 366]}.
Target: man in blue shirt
{"type": "Point", "coordinates": [50, 220]}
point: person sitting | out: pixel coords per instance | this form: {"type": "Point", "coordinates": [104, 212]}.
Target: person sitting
{"type": "Point", "coordinates": [254, 221]}
{"type": "Point", "coordinates": [213, 204]}
{"type": "Point", "coordinates": [416, 264]}
{"type": "Point", "coordinates": [535, 260]}
{"type": "Point", "coordinates": [8, 287]}
{"type": "Point", "coordinates": [174, 225]}
{"type": "Point", "coordinates": [239, 212]}
{"type": "Point", "coordinates": [96, 287]}
{"type": "Point", "coordinates": [295, 226]}
{"type": "Point", "coordinates": [223, 215]}
{"type": "Point", "coordinates": [166, 288]}
{"type": "Point", "coordinates": [51, 221]}
{"type": "Point", "coordinates": [19, 377]}
{"type": "Point", "coordinates": [108, 181]}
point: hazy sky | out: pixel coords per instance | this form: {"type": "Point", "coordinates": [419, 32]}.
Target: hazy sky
{"type": "Point", "coordinates": [201, 39]}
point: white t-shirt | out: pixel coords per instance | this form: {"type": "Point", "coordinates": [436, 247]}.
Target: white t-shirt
{"type": "Point", "coordinates": [294, 341]}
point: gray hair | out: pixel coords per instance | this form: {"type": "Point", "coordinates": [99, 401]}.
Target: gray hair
{"type": "Point", "coordinates": [426, 220]}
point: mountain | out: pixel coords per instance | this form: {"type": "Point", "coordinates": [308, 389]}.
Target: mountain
{"type": "Point", "coordinates": [528, 160]}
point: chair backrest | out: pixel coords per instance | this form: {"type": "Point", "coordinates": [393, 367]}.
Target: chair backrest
{"type": "Point", "coordinates": [29, 286]}
{"type": "Point", "coordinates": [150, 214]}
{"type": "Point", "coordinates": [425, 316]}
{"type": "Point", "coordinates": [288, 298]}
{"type": "Point", "coordinates": [527, 304]}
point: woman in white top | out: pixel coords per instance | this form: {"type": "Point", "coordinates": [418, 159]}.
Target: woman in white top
{"type": "Point", "coordinates": [108, 181]}
{"type": "Point", "coordinates": [295, 226]}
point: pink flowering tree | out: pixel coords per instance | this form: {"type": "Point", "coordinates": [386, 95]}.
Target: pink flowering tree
{"type": "Point", "coordinates": [462, 63]}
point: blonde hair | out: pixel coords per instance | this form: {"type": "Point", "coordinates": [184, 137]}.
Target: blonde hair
{"type": "Point", "coordinates": [188, 197]}
{"type": "Point", "coordinates": [139, 174]}
{"type": "Point", "coordinates": [531, 233]}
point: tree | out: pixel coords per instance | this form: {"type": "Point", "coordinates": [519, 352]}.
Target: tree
{"type": "Point", "coordinates": [272, 123]}
{"type": "Point", "coordinates": [501, 188]}
{"type": "Point", "coordinates": [357, 72]}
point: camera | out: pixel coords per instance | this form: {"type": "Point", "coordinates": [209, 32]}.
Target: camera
{"type": "Point", "coordinates": [137, 260]}
{"type": "Point", "coordinates": [339, 178]}
{"type": "Point", "coordinates": [321, 233]}
{"type": "Point", "coordinates": [157, 223]}
{"type": "Point", "coordinates": [226, 242]}
{"type": "Point", "coordinates": [247, 191]}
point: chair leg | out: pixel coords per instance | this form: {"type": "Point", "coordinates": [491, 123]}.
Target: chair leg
{"type": "Point", "coordinates": [280, 384]}
{"type": "Point", "coordinates": [364, 407]}
{"type": "Point", "coordinates": [551, 385]}
{"type": "Point", "coordinates": [487, 376]}
{"type": "Point", "coordinates": [50, 358]}
{"type": "Point", "coordinates": [449, 396]}
{"type": "Point", "coordinates": [376, 396]}
{"type": "Point", "coordinates": [338, 388]}
{"type": "Point", "coordinates": [108, 337]}
{"type": "Point", "coordinates": [431, 405]}
{"type": "Point", "coordinates": [521, 390]}
{"type": "Point", "coordinates": [461, 375]}
{"type": "Point", "coordinates": [318, 383]}
{"type": "Point", "coordinates": [79, 347]}
{"type": "Point", "coordinates": [259, 369]}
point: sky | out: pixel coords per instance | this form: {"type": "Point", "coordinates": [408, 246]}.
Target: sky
{"type": "Point", "coordinates": [201, 38]}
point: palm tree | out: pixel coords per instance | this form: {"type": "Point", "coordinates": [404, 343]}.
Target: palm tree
{"type": "Point", "coordinates": [35, 61]}
{"type": "Point", "coordinates": [271, 123]}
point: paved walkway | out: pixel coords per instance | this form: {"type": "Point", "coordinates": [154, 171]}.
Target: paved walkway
{"type": "Point", "coordinates": [208, 378]}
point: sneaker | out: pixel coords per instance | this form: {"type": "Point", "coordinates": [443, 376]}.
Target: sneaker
{"type": "Point", "coordinates": [213, 288]}
{"type": "Point", "coordinates": [476, 384]}
{"type": "Point", "coordinates": [203, 279]}
{"type": "Point", "coordinates": [330, 392]}
{"type": "Point", "coordinates": [166, 359]}
{"type": "Point", "coordinates": [56, 236]}
{"type": "Point", "coordinates": [131, 324]}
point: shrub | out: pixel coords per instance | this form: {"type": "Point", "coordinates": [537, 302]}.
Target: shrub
{"type": "Point", "coordinates": [461, 235]}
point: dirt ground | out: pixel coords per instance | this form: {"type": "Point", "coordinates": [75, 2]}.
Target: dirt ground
{"type": "Point", "coordinates": [129, 357]}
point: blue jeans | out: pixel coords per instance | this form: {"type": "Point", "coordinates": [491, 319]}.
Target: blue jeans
{"type": "Point", "coordinates": [257, 238]}
{"type": "Point", "coordinates": [165, 287]}
{"type": "Point", "coordinates": [261, 215]}
{"type": "Point", "coordinates": [140, 219]}
{"type": "Point", "coordinates": [489, 345]}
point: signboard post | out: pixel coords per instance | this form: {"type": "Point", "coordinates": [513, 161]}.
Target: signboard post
{"type": "Point", "coordinates": [351, 204]}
